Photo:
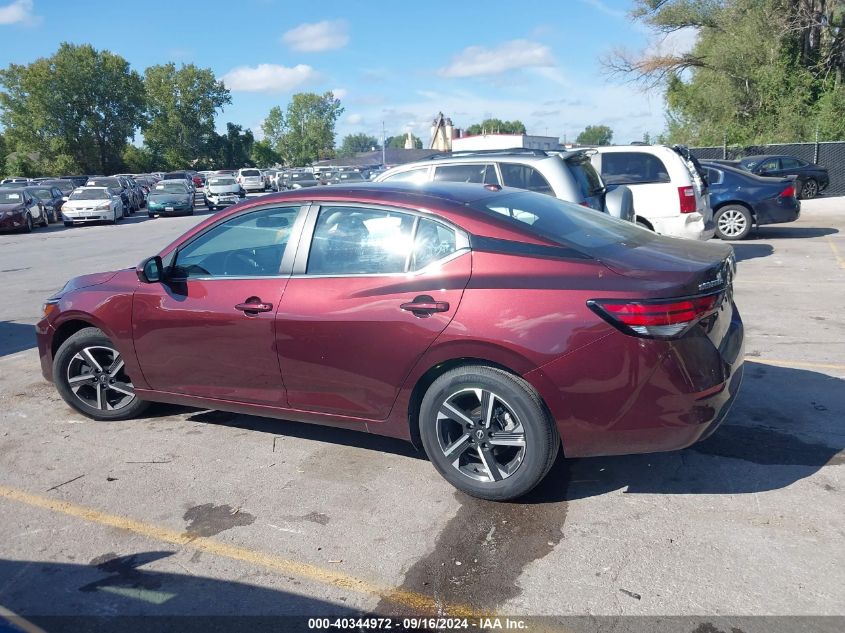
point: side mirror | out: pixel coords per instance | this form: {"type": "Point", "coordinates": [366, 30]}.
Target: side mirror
{"type": "Point", "coordinates": [151, 270]}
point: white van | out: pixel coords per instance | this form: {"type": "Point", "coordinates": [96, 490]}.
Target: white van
{"type": "Point", "coordinates": [250, 179]}
{"type": "Point", "coordinates": [670, 196]}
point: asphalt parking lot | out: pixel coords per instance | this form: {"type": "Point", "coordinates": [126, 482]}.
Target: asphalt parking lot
{"type": "Point", "coordinates": [200, 512]}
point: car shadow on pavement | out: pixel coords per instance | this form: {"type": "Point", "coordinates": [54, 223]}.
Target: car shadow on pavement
{"type": "Point", "coordinates": [127, 593]}
{"type": "Point", "coordinates": [744, 251]}
{"type": "Point", "coordinates": [343, 437]}
{"type": "Point", "coordinates": [16, 337]}
{"type": "Point", "coordinates": [785, 426]}
{"type": "Point", "coordinates": [781, 231]}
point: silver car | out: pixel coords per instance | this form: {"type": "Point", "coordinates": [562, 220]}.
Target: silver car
{"type": "Point", "coordinates": [221, 191]}
{"type": "Point", "coordinates": [565, 175]}
{"type": "Point", "coordinates": [250, 179]}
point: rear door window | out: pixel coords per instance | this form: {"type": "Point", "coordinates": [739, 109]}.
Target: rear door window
{"type": "Point", "coordinates": [465, 172]}
{"type": "Point", "coordinates": [790, 163]}
{"type": "Point", "coordinates": [632, 168]}
{"type": "Point", "coordinates": [525, 177]}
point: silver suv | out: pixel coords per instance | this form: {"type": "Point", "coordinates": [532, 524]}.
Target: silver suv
{"type": "Point", "coordinates": [568, 176]}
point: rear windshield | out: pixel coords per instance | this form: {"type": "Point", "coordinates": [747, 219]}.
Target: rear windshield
{"type": "Point", "coordinates": [105, 182]}
{"type": "Point", "coordinates": [42, 194]}
{"type": "Point", "coordinates": [588, 179]}
{"type": "Point", "coordinates": [64, 186]}
{"type": "Point", "coordinates": [564, 222]}
{"type": "Point", "coordinates": [250, 172]}
{"type": "Point", "coordinates": [89, 194]}
{"type": "Point", "coordinates": [174, 175]}
{"type": "Point", "coordinates": [220, 182]}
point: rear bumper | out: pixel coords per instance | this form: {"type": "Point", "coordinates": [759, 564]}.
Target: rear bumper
{"type": "Point", "coordinates": [778, 211]}
{"type": "Point", "coordinates": [622, 395]}
{"type": "Point", "coordinates": [691, 226]}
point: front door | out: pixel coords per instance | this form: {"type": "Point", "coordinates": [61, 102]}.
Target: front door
{"type": "Point", "coordinates": [208, 329]}
{"type": "Point", "coordinates": [375, 289]}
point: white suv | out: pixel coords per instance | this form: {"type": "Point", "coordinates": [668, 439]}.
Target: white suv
{"type": "Point", "coordinates": [670, 196]}
{"type": "Point", "coordinates": [250, 179]}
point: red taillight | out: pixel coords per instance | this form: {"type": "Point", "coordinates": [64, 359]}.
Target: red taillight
{"type": "Point", "coordinates": [686, 196]}
{"type": "Point", "coordinates": [655, 318]}
{"type": "Point", "coordinates": [789, 192]}
{"type": "Point", "coordinates": [585, 204]}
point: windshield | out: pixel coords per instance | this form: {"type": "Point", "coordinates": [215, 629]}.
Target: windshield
{"type": "Point", "coordinates": [89, 194]}
{"type": "Point", "coordinates": [564, 222]}
{"type": "Point", "coordinates": [221, 182]}
{"type": "Point", "coordinates": [114, 183]}
{"type": "Point", "coordinates": [7, 197]}
{"type": "Point", "coordinates": [748, 164]}
{"type": "Point", "coordinates": [299, 176]}
{"type": "Point", "coordinates": [170, 187]}
{"type": "Point", "coordinates": [65, 186]}
{"type": "Point", "coordinates": [42, 194]}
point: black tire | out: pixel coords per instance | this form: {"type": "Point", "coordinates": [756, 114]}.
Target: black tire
{"type": "Point", "coordinates": [809, 189]}
{"type": "Point", "coordinates": [151, 215]}
{"type": "Point", "coordinates": [69, 224]}
{"type": "Point", "coordinates": [539, 433]}
{"type": "Point", "coordinates": [45, 220]}
{"type": "Point", "coordinates": [27, 227]}
{"type": "Point", "coordinates": [643, 224]}
{"type": "Point", "coordinates": [71, 352]}
{"type": "Point", "coordinates": [733, 222]}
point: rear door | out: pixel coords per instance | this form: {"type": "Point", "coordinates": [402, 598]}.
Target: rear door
{"type": "Point", "coordinates": [371, 290]}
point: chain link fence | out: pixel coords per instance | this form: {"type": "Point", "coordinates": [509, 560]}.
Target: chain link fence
{"type": "Point", "coordinates": [830, 154]}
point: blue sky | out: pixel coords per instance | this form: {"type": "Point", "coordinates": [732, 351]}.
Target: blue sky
{"type": "Point", "coordinates": [393, 61]}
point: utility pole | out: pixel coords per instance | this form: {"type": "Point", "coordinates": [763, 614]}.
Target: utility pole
{"type": "Point", "coordinates": [383, 150]}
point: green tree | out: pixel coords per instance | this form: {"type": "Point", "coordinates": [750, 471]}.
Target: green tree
{"type": "Point", "coordinates": [496, 126]}
{"type": "Point", "coordinates": [398, 142]}
{"type": "Point", "coordinates": [19, 164]}
{"type": "Point", "coordinates": [307, 127]}
{"type": "Point", "coordinates": [80, 104]}
{"type": "Point", "coordinates": [263, 154]}
{"type": "Point", "coordinates": [231, 150]}
{"type": "Point", "coordinates": [760, 70]}
{"type": "Point", "coordinates": [354, 143]}
{"type": "Point", "coordinates": [182, 105]}
{"type": "Point", "coordinates": [274, 128]}
{"type": "Point", "coordinates": [595, 135]}
{"type": "Point", "coordinates": [138, 160]}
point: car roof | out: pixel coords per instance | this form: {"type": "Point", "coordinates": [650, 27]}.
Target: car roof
{"type": "Point", "coordinates": [91, 187]}
{"type": "Point", "coordinates": [178, 181]}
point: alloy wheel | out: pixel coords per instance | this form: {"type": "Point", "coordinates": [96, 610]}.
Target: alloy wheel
{"type": "Point", "coordinates": [480, 435]}
{"type": "Point", "coordinates": [810, 189]}
{"type": "Point", "coordinates": [97, 377]}
{"type": "Point", "coordinates": [732, 223]}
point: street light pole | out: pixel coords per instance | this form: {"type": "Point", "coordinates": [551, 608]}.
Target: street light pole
{"type": "Point", "coordinates": [383, 151]}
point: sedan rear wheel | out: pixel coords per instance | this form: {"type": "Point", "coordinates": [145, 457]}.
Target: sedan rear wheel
{"type": "Point", "coordinates": [733, 223]}
{"type": "Point", "coordinates": [810, 189]}
{"type": "Point", "coordinates": [487, 432]}
{"type": "Point", "coordinates": [90, 375]}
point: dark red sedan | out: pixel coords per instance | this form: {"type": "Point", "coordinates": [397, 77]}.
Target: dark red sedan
{"type": "Point", "coordinates": [492, 326]}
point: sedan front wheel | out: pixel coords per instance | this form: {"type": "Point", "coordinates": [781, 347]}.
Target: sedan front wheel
{"type": "Point", "coordinates": [487, 432]}
{"type": "Point", "coordinates": [90, 375]}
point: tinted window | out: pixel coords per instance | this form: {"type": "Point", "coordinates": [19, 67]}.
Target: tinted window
{"type": "Point", "coordinates": [565, 222]}
{"type": "Point", "coordinates": [714, 176]}
{"type": "Point", "coordinates": [43, 194]}
{"type": "Point", "coordinates": [432, 241]}
{"type": "Point", "coordinates": [466, 172]}
{"type": "Point", "coordinates": [631, 168]}
{"type": "Point", "coordinates": [790, 163]}
{"type": "Point", "coordinates": [412, 175]}
{"type": "Point", "coordinates": [360, 241]}
{"type": "Point", "coordinates": [250, 173]}
{"type": "Point", "coordinates": [105, 182]}
{"type": "Point", "coordinates": [589, 182]}
{"type": "Point", "coordinates": [524, 177]}
{"type": "Point", "coordinates": [250, 245]}
{"type": "Point", "coordinates": [90, 194]}
{"type": "Point", "coordinates": [770, 164]}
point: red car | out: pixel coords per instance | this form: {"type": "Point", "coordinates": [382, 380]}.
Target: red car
{"type": "Point", "coordinates": [492, 326]}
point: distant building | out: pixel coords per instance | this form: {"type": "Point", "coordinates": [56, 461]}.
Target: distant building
{"type": "Point", "coordinates": [442, 133]}
{"type": "Point", "coordinates": [504, 141]}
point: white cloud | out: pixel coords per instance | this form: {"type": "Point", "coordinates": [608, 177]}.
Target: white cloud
{"type": "Point", "coordinates": [354, 119]}
{"type": "Point", "coordinates": [599, 5]}
{"type": "Point", "coordinates": [18, 12]}
{"type": "Point", "coordinates": [268, 77]}
{"type": "Point", "coordinates": [340, 93]}
{"type": "Point", "coordinates": [318, 36]}
{"type": "Point", "coordinates": [480, 61]}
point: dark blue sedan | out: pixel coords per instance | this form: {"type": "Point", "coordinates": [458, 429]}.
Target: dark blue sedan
{"type": "Point", "coordinates": [741, 200]}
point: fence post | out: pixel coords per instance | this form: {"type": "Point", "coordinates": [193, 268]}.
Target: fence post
{"type": "Point", "coordinates": [816, 148]}
{"type": "Point", "coordinates": [725, 146]}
